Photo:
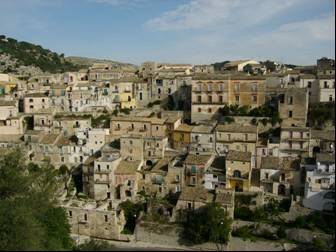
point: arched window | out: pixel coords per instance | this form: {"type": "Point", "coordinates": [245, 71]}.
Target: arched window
{"type": "Point", "coordinates": [237, 174]}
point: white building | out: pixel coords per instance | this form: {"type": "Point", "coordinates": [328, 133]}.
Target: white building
{"type": "Point", "coordinates": [320, 183]}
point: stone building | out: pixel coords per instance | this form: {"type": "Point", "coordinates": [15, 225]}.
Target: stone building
{"type": "Point", "coordinates": [280, 176]}
{"type": "Point", "coordinates": [196, 167]}
{"type": "Point", "coordinates": [103, 174]}
{"type": "Point", "coordinates": [126, 177]}
{"type": "Point", "coordinates": [90, 219]}
{"type": "Point", "coordinates": [202, 139]}
{"type": "Point", "coordinates": [325, 66]}
{"type": "Point", "coordinates": [236, 137]}
{"type": "Point", "coordinates": [182, 137]}
{"type": "Point", "coordinates": [35, 102]}
{"type": "Point", "coordinates": [326, 88]}
{"type": "Point", "coordinates": [147, 149]}
{"type": "Point", "coordinates": [238, 170]}
{"type": "Point", "coordinates": [208, 69]}
{"type": "Point", "coordinates": [136, 125]}
{"type": "Point", "coordinates": [294, 141]}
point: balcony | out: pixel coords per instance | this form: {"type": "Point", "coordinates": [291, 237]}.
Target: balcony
{"type": "Point", "coordinates": [102, 181]}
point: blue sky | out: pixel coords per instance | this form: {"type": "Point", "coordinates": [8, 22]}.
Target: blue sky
{"type": "Point", "coordinates": [181, 31]}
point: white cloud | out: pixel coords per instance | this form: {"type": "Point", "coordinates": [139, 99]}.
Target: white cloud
{"type": "Point", "coordinates": [205, 13]}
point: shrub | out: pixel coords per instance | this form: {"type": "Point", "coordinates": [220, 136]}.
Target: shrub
{"type": "Point", "coordinates": [243, 213]}
{"type": "Point", "coordinates": [281, 232]}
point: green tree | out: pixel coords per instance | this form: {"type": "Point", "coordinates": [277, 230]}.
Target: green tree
{"type": "Point", "coordinates": [208, 223]}
{"type": "Point", "coordinates": [29, 218]}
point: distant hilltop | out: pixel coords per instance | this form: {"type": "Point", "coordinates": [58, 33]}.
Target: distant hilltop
{"type": "Point", "coordinates": [87, 62]}
{"type": "Point", "coordinates": [22, 57]}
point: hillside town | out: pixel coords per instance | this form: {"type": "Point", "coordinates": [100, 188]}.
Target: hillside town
{"type": "Point", "coordinates": [172, 138]}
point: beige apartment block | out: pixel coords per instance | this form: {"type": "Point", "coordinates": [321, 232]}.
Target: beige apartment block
{"type": "Point", "coordinates": [104, 168]}
{"type": "Point", "coordinates": [236, 137]}
{"type": "Point", "coordinates": [70, 123]}
{"type": "Point", "coordinates": [207, 97]}
{"type": "Point", "coordinates": [35, 102]}
{"type": "Point", "coordinates": [147, 149]}
{"type": "Point", "coordinates": [141, 126]}
{"type": "Point", "coordinates": [294, 141]}
{"type": "Point", "coordinates": [126, 177]}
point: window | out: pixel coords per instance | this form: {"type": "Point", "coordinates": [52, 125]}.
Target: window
{"type": "Point", "coordinates": [209, 110]}
{"type": "Point", "coordinates": [199, 99]}
{"type": "Point", "coordinates": [290, 114]}
{"type": "Point", "coordinates": [42, 100]}
{"type": "Point", "coordinates": [199, 110]}
{"type": "Point", "coordinates": [106, 219]}
{"type": "Point", "coordinates": [290, 100]}
{"type": "Point", "coordinates": [131, 142]}
{"type": "Point", "coordinates": [140, 96]}
{"type": "Point", "coordinates": [98, 167]}
{"type": "Point", "coordinates": [193, 179]}
{"type": "Point", "coordinates": [254, 98]}
{"type": "Point", "coordinates": [177, 177]}
{"type": "Point", "coordinates": [220, 99]}
{"type": "Point", "coordinates": [157, 128]}
{"type": "Point", "coordinates": [229, 136]}
{"type": "Point", "coordinates": [325, 84]}
{"type": "Point", "coordinates": [309, 84]}
{"type": "Point", "coordinates": [31, 106]}
{"type": "Point", "coordinates": [210, 139]}
{"type": "Point", "coordinates": [254, 87]}
{"type": "Point", "coordinates": [237, 87]}
{"type": "Point", "coordinates": [210, 99]}
{"type": "Point", "coordinates": [189, 205]}
{"type": "Point", "coordinates": [107, 167]}
{"type": "Point", "coordinates": [237, 98]}
{"type": "Point", "coordinates": [159, 90]}
{"type": "Point", "coordinates": [237, 174]}
{"type": "Point", "coordinates": [169, 90]}
{"type": "Point", "coordinates": [70, 213]}
{"type": "Point", "coordinates": [330, 98]}
{"type": "Point", "coordinates": [31, 100]}
{"type": "Point", "coordinates": [62, 159]}
{"type": "Point", "coordinates": [108, 195]}
{"type": "Point", "coordinates": [85, 217]}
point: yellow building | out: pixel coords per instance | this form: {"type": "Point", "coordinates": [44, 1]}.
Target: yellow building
{"type": "Point", "coordinates": [127, 100]}
{"type": "Point", "coordinates": [238, 170]}
{"type": "Point", "coordinates": [247, 91]}
{"type": "Point", "coordinates": [182, 136]}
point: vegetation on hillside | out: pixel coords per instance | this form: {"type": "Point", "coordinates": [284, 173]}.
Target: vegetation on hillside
{"type": "Point", "coordinates": [320, 114]}
{"type": "Point", "coordinates": [207, 224]}
{"type": "Point", "coordinates": [29, 217]}
{"type": "Point", "coordinates": [29, 54]}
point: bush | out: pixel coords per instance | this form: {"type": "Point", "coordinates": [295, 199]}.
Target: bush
{"type": "Point", "coordinates": [243, 213]}
{"type": "Point", "coordinates": [245, 233]}
{"type": "Point", "coordinates": [281, 232]}
{"type": "Point", "coordinates": [319, 245]}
